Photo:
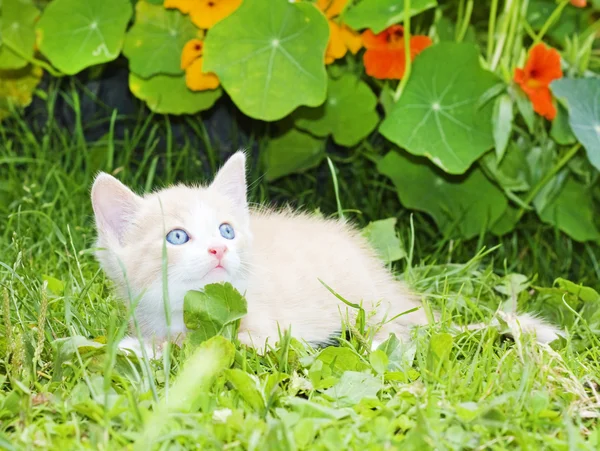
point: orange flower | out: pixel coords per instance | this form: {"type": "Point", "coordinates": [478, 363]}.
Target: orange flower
{"type": "Point", "coordinates": [205, 13]}
{"type": "Point", "coordinates": [579, 3]}
{"type": "Point", "coordinates": [191, 62]}
{"type": "Point", "coordinates": [541, 68]}
{"type": "Point", "coordinates": [385, 56]}
{"type": "Point", "coordinates": [341, 37]}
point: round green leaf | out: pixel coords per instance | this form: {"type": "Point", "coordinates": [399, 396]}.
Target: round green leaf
{"type": "Point", "coordinates": [17, 35]}
{"type": "Point", "coordinates": [380, 14]}
{"type": "Point", "coordinates": [582, 98]}
{"type": "Point", "coordinates": [462, 205]}
{"type": "Point", "coordinates": [348, 113]}
{"type": "Point", "coordinates": [75, 34]}
{"type": "Point", "coordinates": [155, 41]}
{"type": "Point", "coordinates": [438, 114]}
{"type": "Point", "coordinates": [572, 211]}
{"type": "Point", "coordinates": [269, 56]}
{"type": "Point", "coordinates": [293, 151]}
{"type": "Point", "coordinates": [168, 94]}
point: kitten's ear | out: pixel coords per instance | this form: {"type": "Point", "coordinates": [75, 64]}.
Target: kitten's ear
{"type": "Point", "coordinates": [114, 205]}
{"type": "Point", "coordinates": [231, 179]}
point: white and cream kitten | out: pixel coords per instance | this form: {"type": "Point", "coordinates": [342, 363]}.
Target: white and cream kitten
{"type": "Point", "coordinates": [275, 258]}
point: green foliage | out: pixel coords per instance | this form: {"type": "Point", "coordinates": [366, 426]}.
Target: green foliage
{"type": "Point", "coordinates": [292, 151]}
{"type": "Point", "coordinates": [469, 204]}
{"type": "Point", "coordinates": [582, 98]}
{"type": "Point", "coordinates": [384, 239]}
{"type": "Point", "coordinates": [216, 310]}
{"type": "Point", "coordinates": [447, 388]}
{"type": "Point", "coordinates": [348, 114]}
{"type": "Point", "coordinates": [169, 94]}
{"type": "Point", "coordinates": [572, 211]}
{"type": "Point", "coordinates": [154, 43]}
{"type": "Point", "coordinates": [380, 14]}
{"type": "Point", "coordinates": [270, 67]}
{"type": "Point", "coordinates": [439, 116]}
{"type": "Point", "coordinates": [74, 35]}
{"type": "Point", "coordinates": [17, 37]}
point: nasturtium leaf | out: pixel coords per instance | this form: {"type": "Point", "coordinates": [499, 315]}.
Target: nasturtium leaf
{"type": "Point", "coordinates": [380, 14]}
{"type": "Point", "coordinates": [17, 87]}
{"type": "Point", "coordinates": [154, 43]}
{"type": "Point", "coordinates": [17, 33]}
{"type": "Point", "coordinates": [462, 205]}
{"type": "Point", "coordinates": [383, 237]}
{"type": "Point", "coordinates": [573, 211]}
{"type": "Point", "coordinates": [438, 114]}
{"type": "Point", "coordinates": [507, 222]}
{"type": "Point", "coordinates": [353, 387]}
{"type": "Point", "coordinates": [269, 56]}
{"type": "Point", "coordinates": [168, 94]}
{"type": "Point", "coordinates": [348, 113]}
{"type": "Point", "coordinates": [293, 151]}
{"type": "Point", "coordinates": [75, 34]}
{"type": "Point", "coordinates": [208, 312]}
{"type": "Point", "coordinates": [582, 98]}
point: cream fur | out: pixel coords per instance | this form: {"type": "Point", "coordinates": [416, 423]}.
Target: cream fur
{"type": "Point", "coordinates": [276, 259]}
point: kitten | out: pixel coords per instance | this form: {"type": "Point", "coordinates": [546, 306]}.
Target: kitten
{"type": "Point", "coordinates": [275, 258]}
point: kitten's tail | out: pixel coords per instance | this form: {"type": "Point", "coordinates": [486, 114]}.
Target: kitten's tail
{"type": "Point", "coordinates": [524, 323]}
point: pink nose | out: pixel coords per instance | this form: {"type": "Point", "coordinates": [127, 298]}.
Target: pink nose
{"type": "Point", "coordinates": [217, 251]}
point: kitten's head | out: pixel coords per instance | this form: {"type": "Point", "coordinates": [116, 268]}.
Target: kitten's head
{"type": "Point", "coordinates": [205, 231]}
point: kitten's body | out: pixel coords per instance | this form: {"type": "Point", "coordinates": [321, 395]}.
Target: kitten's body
{"type": "Point", "coordinates": [275, 258]}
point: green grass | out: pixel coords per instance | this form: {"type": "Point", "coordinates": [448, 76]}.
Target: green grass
{"type": "Point", "coordinates": [450, 390]}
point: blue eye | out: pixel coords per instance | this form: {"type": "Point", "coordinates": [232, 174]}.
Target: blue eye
{"type": "Point", "coordinates": [177, 237]}
{"type": "Point", "coordinates": [227, 231]}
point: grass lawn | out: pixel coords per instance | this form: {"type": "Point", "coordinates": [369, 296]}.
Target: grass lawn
{"type": "Point", "coordinates": [450, 390]}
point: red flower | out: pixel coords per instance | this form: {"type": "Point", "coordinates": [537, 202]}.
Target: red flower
{"type": "Point", "coordinates": [579, 3]}
{"type": "Point", "coordinates": [385, 56]}
{"type": "Point", "coordinates": [541, 68]}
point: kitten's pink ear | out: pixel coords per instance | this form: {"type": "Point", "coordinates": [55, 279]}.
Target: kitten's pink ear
{"type": "Point", "coordinates": [231, 179]}
{"type": "Point", "coordinates": [114, 205]}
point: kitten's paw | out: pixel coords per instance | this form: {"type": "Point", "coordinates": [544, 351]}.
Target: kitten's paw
{"type": "Point", "coordinates": [133, 345]}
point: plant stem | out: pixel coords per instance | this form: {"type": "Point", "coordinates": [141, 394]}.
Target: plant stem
{"type": "Point", "coordinates": [407, 54]}
{"type": "Point", "coordinates": [550, 21]}
{"type": "Point", "coordinates": [465, 22]}
{"type": "Point", "coordinates": [536, 189]}
{"type": "Point", "coordinates": [506, 16]}
{"type": "Point", "coordinates": [491, 30]}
